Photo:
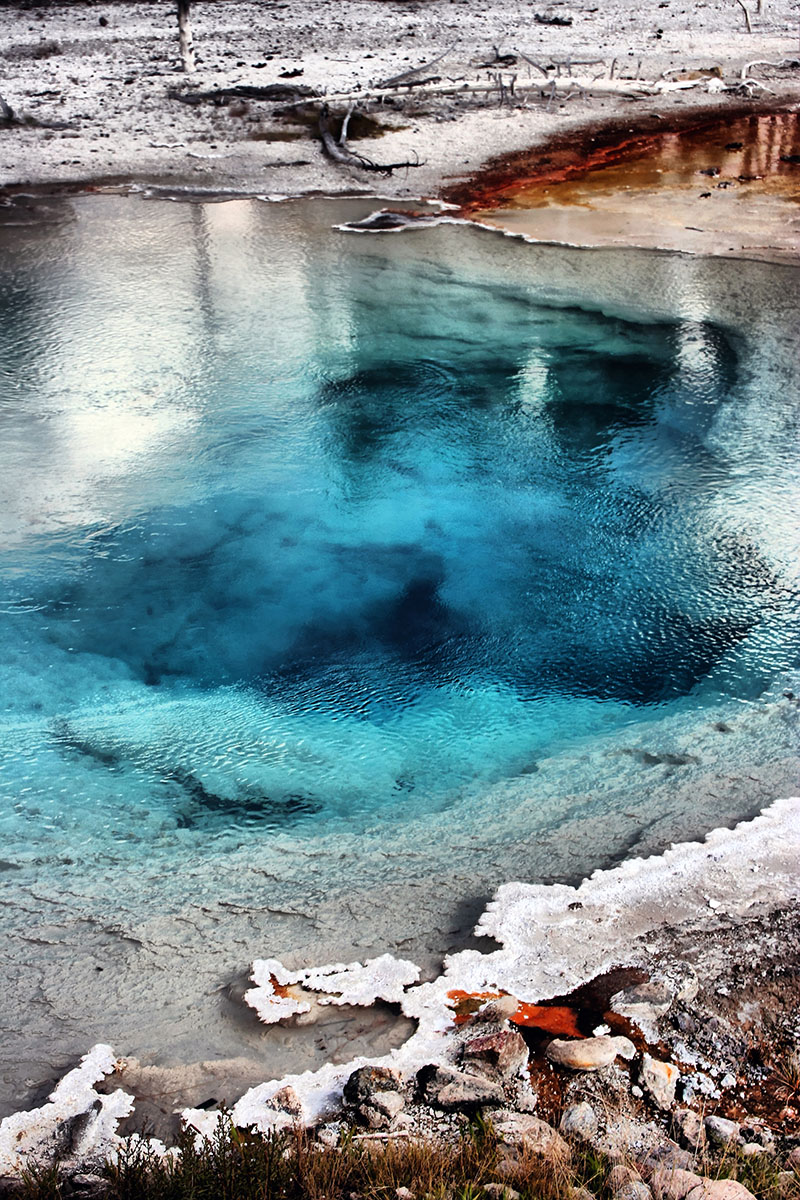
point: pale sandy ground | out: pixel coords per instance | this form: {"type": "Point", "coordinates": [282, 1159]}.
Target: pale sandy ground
{"type": "Point", "coordinates": [101, 72]}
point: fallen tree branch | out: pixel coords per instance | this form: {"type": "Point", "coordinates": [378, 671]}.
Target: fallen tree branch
{"type": "Point", "coordinates": [272, 91]}
{"type": "Point", "coordinates": [340, 153]}
{"type": "Point", "coordinates": [531, 63]}
{"type": "Point", "coordinates": [765, 62]}
{"type": "Point", "coordinates": [407, 76]}
{"type": "Point", "coordinates": [563, 83]}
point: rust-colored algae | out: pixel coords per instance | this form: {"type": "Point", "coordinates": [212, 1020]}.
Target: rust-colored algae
{"type": "Point", "coordinates": [558, 1019]}
{"type": "Point", "coordinates": [741, 146]}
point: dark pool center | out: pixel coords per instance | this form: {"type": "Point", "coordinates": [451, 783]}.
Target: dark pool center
{"type": "Point", "coordinates": [346, 577]}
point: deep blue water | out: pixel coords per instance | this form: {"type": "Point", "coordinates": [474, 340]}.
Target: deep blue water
{"type": "Point", "coordinates": [290, 539]}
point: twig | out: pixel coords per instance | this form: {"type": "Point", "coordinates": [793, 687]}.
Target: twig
{"type": "Point", "coordinates": [532, 63]}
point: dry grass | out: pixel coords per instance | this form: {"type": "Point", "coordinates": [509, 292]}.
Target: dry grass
{"type": "Point", "coordinates": [236, 1165]}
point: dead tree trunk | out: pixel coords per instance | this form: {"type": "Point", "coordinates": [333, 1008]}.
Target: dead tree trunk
{"type": "Point", "coordinates": [185, 31]}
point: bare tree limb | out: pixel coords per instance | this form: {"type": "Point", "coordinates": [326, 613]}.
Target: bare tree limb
{"type": "Point", "coordinates": [764, 62]}
{"type": "Point", "coordinates": [340, 153]}
{"type": "Point", "coordinates": [345, 123]}
{"type": "Point", "coordinates": [747, 21]}
{"type": "Point", "coordinates": [532, 63]}
{"type": "Point", "coordinates": [407, 76]}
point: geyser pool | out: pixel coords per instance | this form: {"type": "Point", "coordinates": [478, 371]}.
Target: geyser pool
{"type": "Point", "coordinates": [333, 566]}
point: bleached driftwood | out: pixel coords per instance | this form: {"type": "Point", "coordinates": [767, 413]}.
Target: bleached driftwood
{"type": "Point", "coordinates": [340, 153]}
{"type": "Point", "coordinates": [594, 84]}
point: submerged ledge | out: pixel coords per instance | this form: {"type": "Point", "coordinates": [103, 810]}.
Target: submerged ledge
{"type": "Point", "coordinates": [553, 939]}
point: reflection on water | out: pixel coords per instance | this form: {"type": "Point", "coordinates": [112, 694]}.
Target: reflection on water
{"type": "Point", "coordinates": [725, 185]}
{"type": "Point", "coordinates": [307, 538]}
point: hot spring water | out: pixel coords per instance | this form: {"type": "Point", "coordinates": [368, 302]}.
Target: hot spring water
{"type": "Point", "coordinates": [343, 578]}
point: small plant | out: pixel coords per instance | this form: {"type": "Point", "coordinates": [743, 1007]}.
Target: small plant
{"type": "Point", "coordinates": [787, 1074]}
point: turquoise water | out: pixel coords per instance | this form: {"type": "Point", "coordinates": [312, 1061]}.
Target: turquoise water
{"type": "Point", "coordinates": [307, 534]}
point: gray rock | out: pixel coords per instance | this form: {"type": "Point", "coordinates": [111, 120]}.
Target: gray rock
{"type": "Point", "coordinates": [659, 1080]}
{"type": "Point", "coordinates": [286, 1100]}
{"type": "Point", "coordinates": [522, 1133]}
{"type": "Point", "coordinates": [669, 1155]}
{"type": "Point", "coordinates": [500, 1191]}
{"type": "Point", "coordinates": [380, 1110]}
{"type": "Point", "coordinates": [721, 1131]}
{"type": "Point", "coordinates": [720, 1189]}
{"type": "Point", "coordinates": [579, 1121]}
{"type": "Point", "coordinates": [366, 1081]}
{"type": "Point", "coordinates": [690, 1129]}
{"type": "Point", "coordinates": [644, 1003]}
{"type": "Point", "coordinates": [504, 1051]}
{"type": "Point", "coordinates": [388, 1103]}
{"type": "Point", "coordinates": [589, 1054]}
{"type": "Point", "coordinates": [86, 1182]}
{"type": "Point", "coordinates": [581, 1193]}
{"type": "Point", "coordinates": [634, 1191]}
{"type": "Point", "coordinates": [786, 1182]}
{"type": "Point", "coordinates": [404, 1193]}
{"type": "Point", "coordinates": [793, 1159]}
{"type": "Point", "coordinates": [371, 1117]}
{"type": "Point", "coordinates": [455, 1091]}
{"type": "Point", "coordinates": [621, 1174]}
{"type": "Point", "coordinates": [754, 1131]}
{"type": "Point", "coordinates": [673, 1183]}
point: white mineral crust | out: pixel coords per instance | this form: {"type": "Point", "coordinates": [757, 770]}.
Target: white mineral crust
{"type": "Point", "coordinates": [553, 938]}
{"type": "Point", "coordinates": [56, 1129]}
{"type": "Point", "coordinates": [383, 978]}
